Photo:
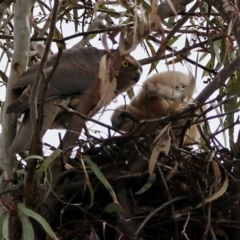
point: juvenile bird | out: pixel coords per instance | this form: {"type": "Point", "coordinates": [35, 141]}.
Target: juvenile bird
{"type": "Point", "coordinates": [76, 83]}
{"type": "Point", "coordinates": [158, 97]}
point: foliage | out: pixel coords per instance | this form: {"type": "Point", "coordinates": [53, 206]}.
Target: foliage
{"type": "Point", "coordinates": [127, 186]}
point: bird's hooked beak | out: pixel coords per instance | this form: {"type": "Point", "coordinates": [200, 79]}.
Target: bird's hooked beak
{"type": "Point", "coordinates": [117, 121]}
{"type": "Point", "coordinates": [137, 75]}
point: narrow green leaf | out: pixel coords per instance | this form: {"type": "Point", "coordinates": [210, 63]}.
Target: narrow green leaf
{"type": "Point", "coordinates": [170, 22]}
{"type": "Point", "coordinates": [173, 40]}
{"type": "Point", "coordinates": [221, 121]}
{"type": "Point", "coordinates": [28, 232]}
{"type": "Point", "coordinates": [113, 207]}
{"type": "Point", "coordinates": [209, 65]}
{"type": "Point", "coordinates": [110, 11]}
{"type": "Point", "coordinates": [101, 177]}
{"type": "Point", "coordinates": [212, 50]}
{"type": "Point", "coordinates": [88, 183]}
{"type": "Point", "coordinates": [58, 35]}
{"type": "Point", "coordinates": [145, 5]}
{"type": "Point", "coordinates": [177, 59]}
{"type": "Point", "coordinates": [203, 56]}
{"type": "Point", "coordinates": [28, 212]}
{"type": "Point", "coordinates": [1, 226]}
{"type": "Point", "coordinates": [130, 93]}
{"type": "Point", "coordinates": [233, 88]}
{"type": "Point", "coordinates": [217, 47]}
{"type": "Point", "coordinates": [48, 161]}
{"type": "Point", "coordinates": [187, 43]}
{"type": "Point", "coordinates": [224, 49]}
{"type": "Point", "coordinates": [46, 164]}
{"type": "Point", "coordinates": [34, 157]}
{"type": "Point", "coordinates": [3, 76]}
{"type": "Point", "coordinates": [153, 52]}
{"type": "Point", "coordinates": [5, 225]}
{"type": "Point", "coordinates": [75, 18]}
{"type": "Point", "coordinates": [218, 67]}
{"type": "Point", "coordinates": [148, 184]}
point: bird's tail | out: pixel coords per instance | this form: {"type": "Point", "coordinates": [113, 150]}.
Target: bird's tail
{"type": "Point", "coordinates": [23, 136]}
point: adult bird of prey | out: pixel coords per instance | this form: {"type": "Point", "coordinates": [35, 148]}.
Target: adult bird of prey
{"type": "Point", "coordinates": [159, 97]}
{"type": "Point", "coordinates": [76, 83]}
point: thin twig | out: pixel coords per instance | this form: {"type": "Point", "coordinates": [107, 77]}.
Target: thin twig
{"type": "Point", "coordinates": [184, 227]}
{"type": "Point", "coordinates": [156, 211]}
{"type": "Point", "coordinates": [208, 216]}
{"type": "Point", "coordinates": [169, 198]}
{"type": "Point", "coordinates": [69, 110]}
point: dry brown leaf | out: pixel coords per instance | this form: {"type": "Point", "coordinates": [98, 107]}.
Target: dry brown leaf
{"type": "Point", "coordinates": [155, 20]}
{"type": "Point", "coordinates": [104, 42]}
{"type": "Point", "coordinates": [221, 232]}
{"type": "Point", "coordinates": [93, 235]}
{"type": "Point", "coordinates": [161, 144]}
{"type": "Point", "coordinates": [140, 31]}
{"type": "Point", "coordinates": [96, 24]}
{"type": "Point", "coordinates": [184, 211]}
{"type": "Point", "coordinates": [215, 195]}
{"type": "Point", "coordinates": [144, 19]}
{"type": "Point", "coordinates": [148, 184]}
{"type": "Point", "coordinates": [154, 7]}
{"type": "Point", "coordinates": [172, 7]}
{"type": "Point", "coordinates": [122, 3]}
{"type": "Point", "coordinates": [172, 171]}
{"type": "Point", "coordinates": [113, 34]}
{"type": "Point", "coordinates": [107, 85]}
{"type": "Point", "coordinates": [156, 24]}
{"type": "Point", "coordinates": [217, 173]}
{"type": "Point", "coordinates": [68, 166]}
{"type": "Point", "coordinates": [121, 47]}
{"type": "Point", "coordinates": [135, 23]}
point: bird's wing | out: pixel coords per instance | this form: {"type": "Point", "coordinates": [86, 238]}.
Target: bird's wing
{"type": "Point", "coordinates": [76, 72]}
{"type": "Point", "coordinates": [77, 76]}
{"type": "Point", "coordinates": [25, 131]}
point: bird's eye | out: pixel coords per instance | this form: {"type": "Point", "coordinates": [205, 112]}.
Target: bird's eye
{"type": "Point", "coordinates": [125, 63]}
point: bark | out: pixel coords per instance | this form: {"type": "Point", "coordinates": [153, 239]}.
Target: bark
{"type": "Point", "coordinates": [30, 186]}
{"type": "Point", "coordinates": [19, 64]}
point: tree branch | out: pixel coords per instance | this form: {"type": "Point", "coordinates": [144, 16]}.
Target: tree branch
{"type": "Point", "coordinates": [219, 80]}
{"type": "Point", "coordinates": [19, 64]}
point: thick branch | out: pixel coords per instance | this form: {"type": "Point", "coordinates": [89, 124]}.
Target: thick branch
{"type": "Point", "coordinates": [219, 80]}
{"type": "Point", "coordinates": [19, 64]}
{"type": "Point", "coordinates": [31, 164]}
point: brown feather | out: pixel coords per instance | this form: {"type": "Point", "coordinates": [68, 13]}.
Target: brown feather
{"type": "Point", "coordinates": [75, 84]}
